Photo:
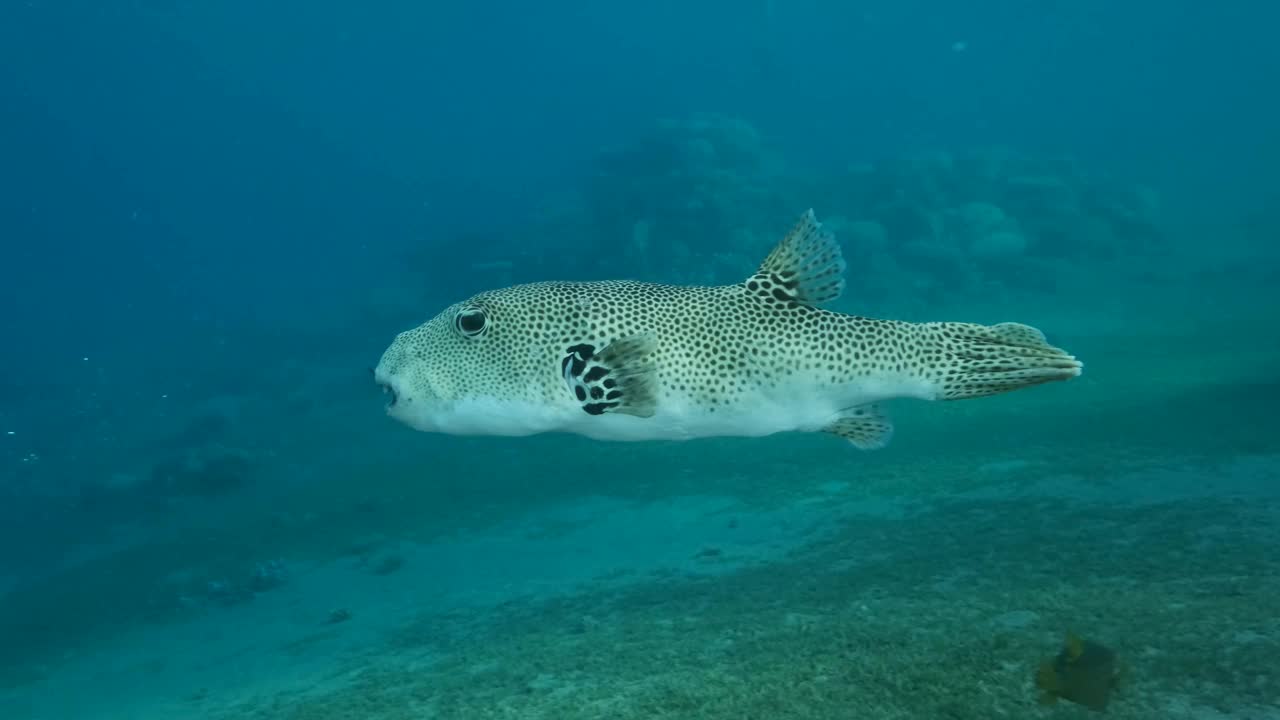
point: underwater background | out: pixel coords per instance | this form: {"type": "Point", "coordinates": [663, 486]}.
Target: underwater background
{"type": "Point", "coordinates": [216, 215]}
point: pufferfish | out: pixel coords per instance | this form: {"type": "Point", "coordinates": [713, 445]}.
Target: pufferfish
{"type": "Point", "coordinates": [627, 360]}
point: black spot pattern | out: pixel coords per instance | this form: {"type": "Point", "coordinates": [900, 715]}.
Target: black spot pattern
{"type": "Point", "coordinates": [582, 374]}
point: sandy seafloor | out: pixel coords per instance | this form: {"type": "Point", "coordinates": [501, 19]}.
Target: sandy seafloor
{"type": "Point", "coordinates": [787, 577]}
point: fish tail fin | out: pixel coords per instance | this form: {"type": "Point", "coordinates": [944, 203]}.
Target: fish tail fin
{"type": "Point", "coordinates": [980, 360]}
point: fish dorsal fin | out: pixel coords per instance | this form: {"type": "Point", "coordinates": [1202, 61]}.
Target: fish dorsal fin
{"type": "Point", "coordinates": [807, 267]}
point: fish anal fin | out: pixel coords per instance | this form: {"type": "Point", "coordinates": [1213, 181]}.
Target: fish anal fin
{"type": "Point", "coordinates": [866, 427]}
{"type": "Point", "coordinates": [620, 377]}
{"type": "Point", "coordinates": [806, 267]}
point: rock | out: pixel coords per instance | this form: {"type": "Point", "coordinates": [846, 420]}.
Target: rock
{"type": "Point", "coordinates": [980, 218]}
{"type": "Point", "coordinates": [1015, 620]}
{"type": "Point", "coordinates": [999, 245]}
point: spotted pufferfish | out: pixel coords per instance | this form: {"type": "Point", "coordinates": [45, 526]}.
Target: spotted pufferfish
{"type": "Point", "coordinates": [626, 360]}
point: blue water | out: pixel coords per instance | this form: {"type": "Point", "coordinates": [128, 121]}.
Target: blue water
{"type": "Point", "coordinates": [214, 216]}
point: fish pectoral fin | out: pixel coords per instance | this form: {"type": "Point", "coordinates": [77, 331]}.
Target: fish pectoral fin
{"type": "Point", "coordinates": [807, 267]}
{"type": "Point", "coordinates": [621, 377]}
{"type": "Point", "coordinates": [865, 426]}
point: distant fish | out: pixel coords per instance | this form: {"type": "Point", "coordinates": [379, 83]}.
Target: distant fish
{"type": "Point", "coordinates": [1084, 672]}
{"type": "Point", "coordinates": [624, 360]}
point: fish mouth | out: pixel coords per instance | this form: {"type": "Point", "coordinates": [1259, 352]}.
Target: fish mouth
{"type": "Point", "coordinates": [387, 390]}
{"type": "Point", "coordinates": [390, 393]}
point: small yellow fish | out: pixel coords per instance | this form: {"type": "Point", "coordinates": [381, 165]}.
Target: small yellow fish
{"type": "Point", "coordinates": [1083, 672]}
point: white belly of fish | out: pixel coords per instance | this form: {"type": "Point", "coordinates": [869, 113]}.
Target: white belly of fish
{"type": "Point", "coordinates": [684, 423]}
{"type": "Point", "coordinates": [794, 408]}
{"type": "Point", "coordinates": [670, 421]}
{"type": "Point", "coordinates": [486, 416]}
{"type": "Point", "coordinates": [798, 407]}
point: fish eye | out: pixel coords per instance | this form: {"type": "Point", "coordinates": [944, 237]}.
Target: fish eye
{"type": "Point", "coordinates": [471, 322]}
